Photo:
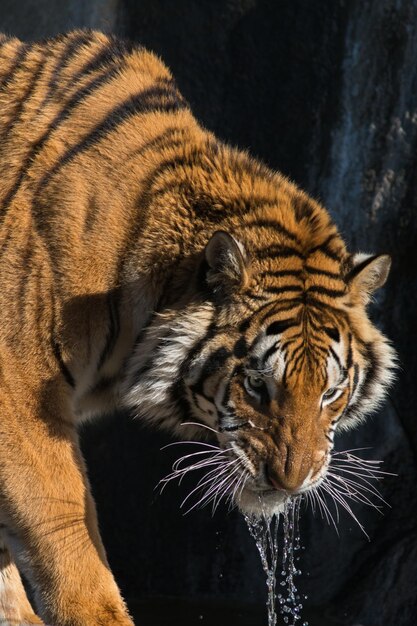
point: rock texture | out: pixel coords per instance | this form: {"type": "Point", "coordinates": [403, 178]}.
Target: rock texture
{"type": "Point", "coordinates": [326, 92]}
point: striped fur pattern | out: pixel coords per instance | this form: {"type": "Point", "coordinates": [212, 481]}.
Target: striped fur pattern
{"type": "Point", "coordinates": [146, 264]}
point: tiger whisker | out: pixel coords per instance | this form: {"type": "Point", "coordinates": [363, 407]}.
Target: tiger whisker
{"type": "Point", "coordinates": [239, 489]}
{"type": "Point", "coordinates": [210, 493]}
{"type": "Point", "coordinates": [177, 465]}
{"type": "Point", "coordinates": [225, 493]}
{"type": "Point", "coordinates": [323, 487]}
{"type": "Point", "coordinates": [363, 476]}
{"type": "Point", "coordinates": [222, 482]}
{"type": "Point", "coordinates": [201, 462]}
{"type": "Point", "coordinates": [318, 503]}
{"type": "Point", "coordinates": [328, 513]}
{"type": "Point", "coordinates": [220, 487]}
{"type": "Point", "coordinates": [360, 473]}
{"type": "Point", "coordinates": [354, 463]}
{"type": "Point", "coordinates": [352, 493]}
{"type": "Point", "coordinates": [180, 474]}
{"type": "Point", "coordinates": [354, 450]}
{"type": "Point", "coordinates": [207, 479]}
{"type": "Point", "coordinates": [358, 496]}
{"type": "Point", "coordinates": [235, 485]}
{"type": "Point", "coordinates": [339, 497]}
{"type": "Point", "coordinates": [201, 425]}
{"type": "Point", "coordinates": [364, 485]}
{"type": "Point", "coordinates": [243, 478]}
{"type": "Point", "coordinates": [366, 465]}
{"type": "Point", "coordinates": [195, 443]}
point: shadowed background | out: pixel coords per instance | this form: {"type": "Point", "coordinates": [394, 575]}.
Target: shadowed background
{"type": "Point", "coordinates": [326, 92]}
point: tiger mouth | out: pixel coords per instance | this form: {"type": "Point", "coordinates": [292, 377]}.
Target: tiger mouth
{"type": "Point", "coordinates": [261, 502]}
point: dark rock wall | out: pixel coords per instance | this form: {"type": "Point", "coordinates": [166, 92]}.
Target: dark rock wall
{"type": "Point", "coordinates": [326, 92]}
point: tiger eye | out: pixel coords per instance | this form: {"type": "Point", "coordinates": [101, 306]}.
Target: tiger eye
{"type": "Point", "coordinates": [256, 382]}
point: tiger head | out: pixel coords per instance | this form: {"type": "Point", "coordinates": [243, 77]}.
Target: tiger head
{"type": "Point", "coordinates": [273, 351]}
{"type": "Point", "coordinates": [289, 358]}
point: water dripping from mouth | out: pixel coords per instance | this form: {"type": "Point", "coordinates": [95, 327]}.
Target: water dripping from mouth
{"type": "Point", "coordinates": [265, 532]}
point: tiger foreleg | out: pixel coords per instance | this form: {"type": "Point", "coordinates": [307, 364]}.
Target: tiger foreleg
{"type": "Point", "coordinates": [51, 525]}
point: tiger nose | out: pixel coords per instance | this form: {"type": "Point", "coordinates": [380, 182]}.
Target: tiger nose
{"type": "Point", "coordinates": [288, 476]}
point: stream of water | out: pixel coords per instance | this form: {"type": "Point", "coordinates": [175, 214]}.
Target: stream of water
{"type": "Point", "coordinates": [265, 532]}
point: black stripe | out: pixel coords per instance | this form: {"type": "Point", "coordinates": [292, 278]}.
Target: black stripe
{"type": "Point", "coordinates": [320, 272]}
{"type": "Point", "coordinates": [333, 333]}
{"type": "Point", "coordinates": [277, 306]}
{"type": "Point", "coordinates": [243, 326]}
{"type": "Point", "coordinates": [23, 100]}
{"type": "Point", "coordinates": [149, 362]}
{"type": "Point", "coordinates": [181, 401]}
{"type": "Point", "coordinates": [280, 306]}
{"type": "Point", "coordinates": [336, 358]}
{"type": "Point", "coordinates": [7, 237]}
{"type": "Point", "coordinates": [291, 340]}
{"type": "Point", "coordinates": [319, 348]}
{"type": "Point", "coordinates": [332, 293]}
{"type": "Point", "coordinates": [198, 347]}
{"type": "Point", "coordinates": [321, 305]}
{"type": "Point", "coordinates": [71, 49]}
{"type": "Point", "coordinates": [227, 390]}
{"type": "Point", "coordinates": [56, 349]}
{"type": "Point", "coordinates": [114, 50]}
{"type": "Point", "coordinates": [255, 296]}
{"type": "Point", "coordinates": [150, 99]}
{"type": "Point", "coordinates": [276, 226]}
{"type": "Point", "coordinates": [104, 383]}
{"type": "Point", "coordinates": [315, 323]}
{"type": "Point", "coordinates": [170, 138]}
{"type": "Point", "coordinates": [79, 96]}
{"type": "Point", "coordinates": [301, 207]}
{"type": "Point", "coordinates": [292, 366]}
{"type": "Point", "coordinates": [24, 279]}
{"type": "Point", "coordinates": [113, 330]}
{"type": "Point", "coordinates": [268, 353]}
{"type": "Point", "coordinates": [284, 289]}
{"type": "Point", "coordinates": [324, 248]}
{"type": "Point", "coordinates": [281, 273]}
{"type": "Point", "coordinates": [18, 62]}
{"type": "Point", "coordinates": [240, 349]}
{"type": "Point", "coordinates": [276, 251]}
{"type": "Point", "coordinates": [212, 364]}
{"type": "Point", "coordinates": [355, 378]}
{"type": "Point", "coordinates": [64, 369]}
{"type": "Point", "coordinates": [194, 157]}
{"type": "Point", "coordinates": [349, 358]}
{"type": "Point", "coordinates": [279, 326]}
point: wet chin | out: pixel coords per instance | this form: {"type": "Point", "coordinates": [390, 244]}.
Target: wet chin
{"type": "Point", "coordinates": [258, 504]}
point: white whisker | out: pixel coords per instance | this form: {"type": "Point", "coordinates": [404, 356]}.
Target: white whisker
{"type": "Point", "coordinates": [201, 425]}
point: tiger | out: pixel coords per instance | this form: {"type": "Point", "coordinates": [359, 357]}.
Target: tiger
{"type": "Point", "coordinates": [147, 265]}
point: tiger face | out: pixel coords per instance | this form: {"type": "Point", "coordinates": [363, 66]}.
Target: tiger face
{"type": "Point", "coordinates": [277, 380]}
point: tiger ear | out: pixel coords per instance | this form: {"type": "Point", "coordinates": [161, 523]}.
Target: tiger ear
{"type": "Point", "coordinates": [227, 262]}
{"type": "Point", "coordinates": [367, 273]}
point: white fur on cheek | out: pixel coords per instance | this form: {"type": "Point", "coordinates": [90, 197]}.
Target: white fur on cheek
{"type": "Point", "coordinates": [155, 365]}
